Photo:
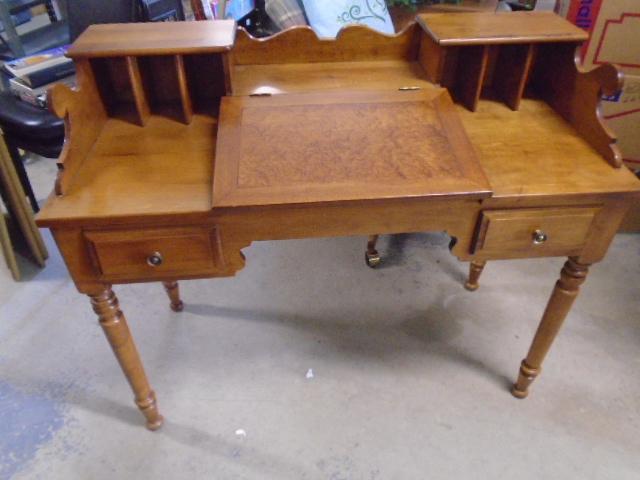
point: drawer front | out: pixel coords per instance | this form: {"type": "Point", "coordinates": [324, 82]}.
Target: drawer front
{"type": "Point", "coordinates": [531, 232]}
{"type": "Point", "coordinates": [155, 252]}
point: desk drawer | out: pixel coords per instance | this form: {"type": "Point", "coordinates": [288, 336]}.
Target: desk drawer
{"type": "Point", "coordinates": [155, 252]}
{"type": "Point", "coordinates": [532, 232]}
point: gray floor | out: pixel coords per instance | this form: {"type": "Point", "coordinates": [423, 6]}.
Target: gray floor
{"type": "Point", "coordinates": [410, 370]}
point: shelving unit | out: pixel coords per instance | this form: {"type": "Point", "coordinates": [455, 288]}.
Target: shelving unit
{"type": "Point", "coordinates": [459, 50]}
{"type": "Point", "coordinates": [47, 36]}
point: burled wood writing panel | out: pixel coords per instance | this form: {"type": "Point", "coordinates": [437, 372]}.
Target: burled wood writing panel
{"type": "Point", "coordinates": [336, 147]}
{"type": "Point", "coordinates": [386, 143]}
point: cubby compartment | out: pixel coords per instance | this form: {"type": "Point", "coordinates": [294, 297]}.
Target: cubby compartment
{"type": "Point", "coordinates": [207, 79]}
{"type": "Point", "coordinates": [512, 72]}
{"type": "Point", "coordinates": [173, 86]}
{"type": "Point", "coordinates": [497, 71]}
{"type": "Point", "coordinates": [116, 90]}
{"type": "Point", "coordinates": [483, 55]}
{"type": "Point", "coordinates": [165, 82]}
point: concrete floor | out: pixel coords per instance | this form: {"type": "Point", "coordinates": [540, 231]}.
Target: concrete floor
{"type": "Point", "coordinates": [410, 371]}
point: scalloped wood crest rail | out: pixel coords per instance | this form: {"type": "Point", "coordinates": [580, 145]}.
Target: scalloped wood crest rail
{"type": "Point", "coordinates": [184, 144]}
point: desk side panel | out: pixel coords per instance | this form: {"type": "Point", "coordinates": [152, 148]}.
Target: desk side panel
{"type": "Point", "coordinates": [575, 94]}
{"type": "Point", "coordinates": [84, 116]}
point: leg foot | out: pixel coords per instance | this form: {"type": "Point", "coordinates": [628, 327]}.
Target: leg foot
{"type": "Point", "coordinates": [115, 327]}
{"type": "Point", "coordinates": [173, 290]}
{"type": "Point", "coordinates": [564, 293]}
{"type": "Point", "coordinates": [525, 378]}
{"type": "Point", "coordinates": [475, 269]}
{"type": "Point", "coordinates": [371, 256]}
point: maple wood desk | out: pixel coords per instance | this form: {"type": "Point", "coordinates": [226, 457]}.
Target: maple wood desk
{"type": "Point", "coordinates": [185, 144]}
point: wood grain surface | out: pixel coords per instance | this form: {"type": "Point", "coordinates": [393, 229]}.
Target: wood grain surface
{"type": "Point", "coordinates": [487, 28]}
{"type": "Point", "coordinates": [334, 147]}
{"type": "Point", "coordinates": [301, 45]}
{"type": "Point", "coordinates": [158, 38]}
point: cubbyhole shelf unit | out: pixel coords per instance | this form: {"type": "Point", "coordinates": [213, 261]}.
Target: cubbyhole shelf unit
{"type": "Point", "coordinates": [173, 76]}
{"type": "Point", "coordinates": [140, 74]}
{"type": "Point", "coordinates": [484, 55]}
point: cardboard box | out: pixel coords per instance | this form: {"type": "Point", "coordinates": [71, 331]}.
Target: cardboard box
{"type": "Point", "coordinates": [622, 115]}
{"type": "Point", "coordinates": [614, 27]}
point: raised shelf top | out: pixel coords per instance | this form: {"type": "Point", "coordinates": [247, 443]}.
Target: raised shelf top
{"type": "Point", "coordinates": [331, 147]}
{"type": "Point", "coordinates": [161, 38]}
{"type": "Point", "coordinates": [499, 28]}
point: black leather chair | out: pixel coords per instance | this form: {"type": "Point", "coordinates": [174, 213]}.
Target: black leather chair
{"type": "Point", "coordinates": [32, 129]}
{"type": "Point", "coordinates": [36, 130]}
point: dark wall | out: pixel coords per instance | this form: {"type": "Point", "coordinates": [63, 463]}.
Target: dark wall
{"type": "Point", "coordinates": [82, 13]}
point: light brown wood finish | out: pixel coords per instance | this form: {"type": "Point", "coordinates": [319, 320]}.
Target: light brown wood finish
{"type": "Point", "coordinates": [134, 171]}
{"type": "Point", "coordinates": [486, 28]}
{"type": "Point", "coordinates": [513, 67]}
{"type": "Point", "coordinates": [115, 327]}
{"type": "Point", "coordinates": [140, 99]}
{"type": "Point", "coordinates": [533, 232]}
{"type": "Point", "coordinates": [328, 76]}
{"type": "Point", "coordinates": [173, 291]}
{"type": "Point", "coordinates": [154, 252]}
{"type": "Point", "coordinates": [457, 50]}
{"type": "Point", "coordinates": [472, 68]}
{"type": "Point", "coordinates": [165, 38]}
{"type": "Point", "coordinates": [475, 270]}
{"type": "Point", "coordinates": [564, 293]}
{"type": "Point", "coordinates": [165, 189]}
{"type": "Point", "coordinates": [183, 86]}
{"type": "Point", "coordinates": [432, 57]}
{"type": "Point", "coordinates": [174, 160]}
{"type": "Point", "coordinates": [552, 159]}
{"type": "Point", "coordinates": [302, 45]}
{"type": "Point", "coordinates": [263, 155]}
{"type": "Point", "coordinates": [575, 94]}
{"type": "Point", "coordinates": [85, 109]}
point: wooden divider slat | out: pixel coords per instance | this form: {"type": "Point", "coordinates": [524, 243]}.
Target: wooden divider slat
{"type": "Point", "coordinates": [512, 72]}
{"type": "Point", "coordinates": [183, 87]}
{"type": "Point", "coordinates": [471, 70]}
{"type": "Point", "coordinates": [140, 98]}
{"type": "Point", "coordinates": [227, 67]}
{"type": "Point", "coordinates": [432, 57]}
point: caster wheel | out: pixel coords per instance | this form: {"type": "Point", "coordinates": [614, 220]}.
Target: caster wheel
{"type": "Point", "coordinates": [372, 259]}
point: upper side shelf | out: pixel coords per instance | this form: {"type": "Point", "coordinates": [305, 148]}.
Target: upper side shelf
{"type": "Point", "coordinates": [493, 28]}
{"type": "Point", "coordinates": [163, 38]}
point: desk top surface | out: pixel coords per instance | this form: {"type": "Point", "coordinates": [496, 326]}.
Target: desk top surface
{"type": "Point", "coordinates": [166, 167]}
{"type": "Point", "coordinates": [326, 147]}
{"type": "Point", "coordinates": [490, 28]}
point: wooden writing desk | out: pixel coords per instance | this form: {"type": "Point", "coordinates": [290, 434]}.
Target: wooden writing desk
{"type": "Point", "coordinates": [185, 143]}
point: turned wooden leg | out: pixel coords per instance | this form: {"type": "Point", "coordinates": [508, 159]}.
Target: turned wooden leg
{"type": "Point", "coordinates": [564, 293]}
{"type": "Point", "coordinates": [475, 269]}
{"type": "Point", "coordinates": [115, 327]}
{"type": "Point", "coordinates": [371, 255]}
{"type": "Point", "coordinates": [173, 290]}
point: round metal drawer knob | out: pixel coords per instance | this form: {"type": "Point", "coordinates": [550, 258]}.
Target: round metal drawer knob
{"type": "Point", "coordinates": [539, 237]}
{"type": "Point", "coordinates": [155, 259]}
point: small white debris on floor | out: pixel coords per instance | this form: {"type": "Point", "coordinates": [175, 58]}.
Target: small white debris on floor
{"type": "Point", "coordinates": [310, 373]}
{"type": "Point", "coordinates": [240, 433]}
